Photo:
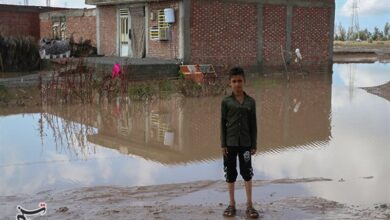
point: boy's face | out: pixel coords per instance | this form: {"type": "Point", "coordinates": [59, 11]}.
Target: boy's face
{"type": "Point", "coordinates": [237, 83]}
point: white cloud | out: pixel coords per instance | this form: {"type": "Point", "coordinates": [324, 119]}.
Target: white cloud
{"type": "Point", "coordinates": [371, 7]}
{"type": "Point", "coordinates": [363, 75]}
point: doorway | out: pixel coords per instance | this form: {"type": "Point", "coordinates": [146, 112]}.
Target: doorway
{"type": "Point", "coordinates": [124, 33]}
{"type": "Point", "coordinates": [132, 32]}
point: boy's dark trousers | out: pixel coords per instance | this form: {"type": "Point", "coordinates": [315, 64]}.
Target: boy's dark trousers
{"type": "Point", "coordinates": [245, 162]}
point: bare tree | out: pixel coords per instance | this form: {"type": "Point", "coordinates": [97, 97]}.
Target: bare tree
{"type": "Point", "coordinates": [386, 31]}
{"type": "Point", "coordinates": [342, 33]}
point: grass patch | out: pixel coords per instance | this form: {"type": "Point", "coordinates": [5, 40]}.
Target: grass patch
{"type": "Point", "coordinates": [4, 94]}
{"type": "Point", "coordinates": [264, 82]}
{"type": "Point", "coordinates": [142, 91]}
{"type": "Point", "coordinates": [3, 89]}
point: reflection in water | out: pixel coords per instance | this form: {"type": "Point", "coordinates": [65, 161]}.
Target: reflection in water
{"type": "Point", "coordinates": [182, 130]}
{"type": "Point", "coordinates": [352, 76]}
{"type": "Point", "coordinates": [295, 114]}
{"type": "Point", "coordinates": [309, 127]}
{"type": "Point", "coordinates": [68, 135]}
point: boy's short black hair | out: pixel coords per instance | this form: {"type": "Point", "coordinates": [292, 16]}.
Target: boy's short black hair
{"type": "Point", "coordinates": [236, 71]}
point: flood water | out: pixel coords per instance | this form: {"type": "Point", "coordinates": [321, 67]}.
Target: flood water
{"type": "Point", "coordinates": [320, 126]}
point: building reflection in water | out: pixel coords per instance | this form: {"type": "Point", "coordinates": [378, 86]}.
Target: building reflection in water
{"type": "Point", "coordinates": [183, 130]}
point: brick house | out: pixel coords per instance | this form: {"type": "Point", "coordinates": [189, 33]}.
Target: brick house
{"type": "Point", "coordinates": [224, 33]}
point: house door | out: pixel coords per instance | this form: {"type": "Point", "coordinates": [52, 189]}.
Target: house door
{"type": "Point", "coordinates": [125, 35]}
{"type": "Point", "coordinates": [137, 33]}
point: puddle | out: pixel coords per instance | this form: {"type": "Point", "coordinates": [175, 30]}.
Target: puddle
{"type": "Point", "coordinates": [319, 126]}
{"type": "Point", "coordinates": [264, 194]}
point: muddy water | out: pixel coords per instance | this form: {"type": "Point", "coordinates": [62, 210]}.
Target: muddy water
{"type": "Point", "coordinates": [319, 126]}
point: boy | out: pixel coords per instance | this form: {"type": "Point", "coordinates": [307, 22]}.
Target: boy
{"type": "Point", "coordinates": [238, 138]}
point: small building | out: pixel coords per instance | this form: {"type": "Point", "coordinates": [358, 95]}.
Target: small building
{"type": "Point", "coordinates": [62, 24]}
{"type": "Point", "coordinates": [20, 20]}
{"type": "Point", "coordinates": [225, 33]}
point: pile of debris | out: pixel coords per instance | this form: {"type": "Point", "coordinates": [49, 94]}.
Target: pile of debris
{"type": "Point", "coordinates": [51, 48]}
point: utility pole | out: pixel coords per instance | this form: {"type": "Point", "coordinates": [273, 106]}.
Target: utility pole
{"type": "Point", "coordinates": [355, 19]}
{"type": "Point", "coordinates": [48, 3]}
{"type": "Point", "coordinates": [25, 2]}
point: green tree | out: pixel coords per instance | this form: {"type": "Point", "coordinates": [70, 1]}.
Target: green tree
{"type": "Point", "coordinates": [369, 34]}
{"type": "Point", "coordinates": [364, 35]}
{"type": "Point", "coordinates": [377, 35]}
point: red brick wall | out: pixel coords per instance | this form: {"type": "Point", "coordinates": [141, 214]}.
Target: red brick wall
{"type": "Point", "coordinates": [165, 49]}
{"type": "Point", "coordinates": [46, 29]}
{"type": "Point", "coordinates": [108, 28]}
{"type": "Point", "coordinates": [19, 23]}
{"type": "Point", "coordinates": [274, 34]}
{"type": "Point", "coordinates": [223, 34]}
{"type": "Point", "coordinates": [84, 27]}
{"type": "Point", "coordinates": [81, 26]}
{"type": "Point", "coordinates": [311, 33]}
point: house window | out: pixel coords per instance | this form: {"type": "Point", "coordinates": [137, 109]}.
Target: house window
{"type": "Point", "coordinates": [124, 22]}
{"type": "Point", "coordinates": [59, 28]}
{"type": "Point", "coordinates": [161, 30]}
{"type": "Point", "coordinates": [161, 19]}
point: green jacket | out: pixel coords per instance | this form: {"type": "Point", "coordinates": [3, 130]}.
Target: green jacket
{"type": "Point", "coordinates": [238, 122]}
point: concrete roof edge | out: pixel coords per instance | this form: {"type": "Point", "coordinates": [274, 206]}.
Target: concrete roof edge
{"type": "Point", "coordinates": [116, 2]}
{"type": "Point", "coordinates": [30, 8]}
{"type": "Point", "coordinates": [87, 12]}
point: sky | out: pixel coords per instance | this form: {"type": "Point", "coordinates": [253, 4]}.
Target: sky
{"type": "Point", "coordinates": [54, 3]}
{"type": "Point", "coordinates": [371, 12]}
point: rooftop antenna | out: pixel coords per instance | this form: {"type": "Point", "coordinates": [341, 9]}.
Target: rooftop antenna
{"type": "Point", "coordinates": [355, 19]}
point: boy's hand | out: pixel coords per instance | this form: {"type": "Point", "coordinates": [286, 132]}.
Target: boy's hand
{"type": "Point", "coordinates": [253, 151]}
{"type": "Point", "coordinates": [224, 151]}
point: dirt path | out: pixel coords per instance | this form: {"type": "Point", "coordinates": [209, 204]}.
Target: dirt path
{"type": "Point", "coordinates": [361, 52]}
{"type": "Point", "coordinates": [196, 200]}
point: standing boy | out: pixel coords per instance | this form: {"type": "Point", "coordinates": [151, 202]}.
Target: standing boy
{"type": "Point", "coordinates": [238, 139]}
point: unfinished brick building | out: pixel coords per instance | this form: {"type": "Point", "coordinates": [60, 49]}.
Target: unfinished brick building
{"type": "Point", "coordinates": [17, 20]}
{"type": "Point", "coordinates": [62, 24]}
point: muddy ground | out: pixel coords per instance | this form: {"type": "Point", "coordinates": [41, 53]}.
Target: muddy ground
{"type": "Point", "coordinates": [195, 200]}
{"type": "Point", "coordinates": [344, 52]}
{"type": "Point", "coordinates": [382, 90]}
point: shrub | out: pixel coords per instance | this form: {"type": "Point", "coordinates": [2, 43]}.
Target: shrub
{"type": "Point", "coordinates": [19, 53]}
{"type": "Point", "coordinates": [83, 48]}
